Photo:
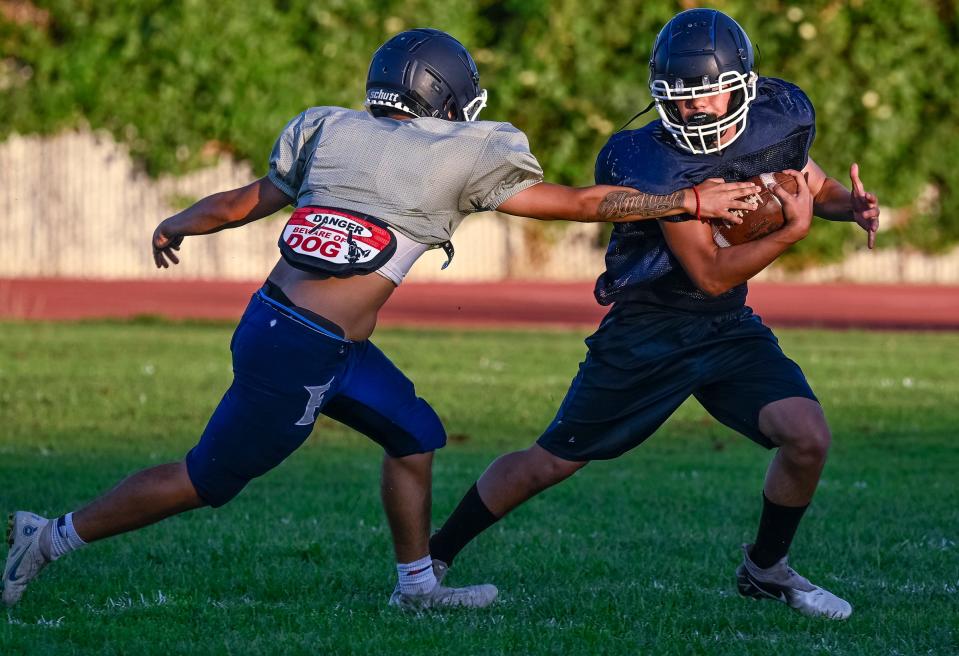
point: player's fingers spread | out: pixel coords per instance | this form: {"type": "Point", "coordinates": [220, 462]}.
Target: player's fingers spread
{"type": "Point", "coordinates": [729, 217]}
{"type": "Point", "coordinates": [173, 258]}
{"type": "Point", "coordinates": [740, 205]}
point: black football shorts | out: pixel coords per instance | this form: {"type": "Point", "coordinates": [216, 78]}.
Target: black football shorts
{"type": "Point", "coordinates": [645, 360]}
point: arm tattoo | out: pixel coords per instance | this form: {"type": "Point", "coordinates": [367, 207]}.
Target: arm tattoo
{"type": "Point", "coordinates": [618, 204]}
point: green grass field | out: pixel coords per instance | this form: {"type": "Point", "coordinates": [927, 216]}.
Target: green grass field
{"type": "Point", "coordinates": [634, 556]}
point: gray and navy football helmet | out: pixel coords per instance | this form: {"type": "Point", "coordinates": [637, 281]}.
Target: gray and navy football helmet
{"type": "Point", "coordinates": [424, 72]}
{"type": "Point", "coordinates": [702, 52]}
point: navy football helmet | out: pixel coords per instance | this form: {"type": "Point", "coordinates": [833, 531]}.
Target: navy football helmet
{"type": "Point", "coordinates": [702, 52]}
{"type": "Point", "coordinates": [424, 72]}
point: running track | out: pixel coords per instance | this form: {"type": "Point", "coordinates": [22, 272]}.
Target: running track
{"type": "Point", "coordinates": [474, 305]}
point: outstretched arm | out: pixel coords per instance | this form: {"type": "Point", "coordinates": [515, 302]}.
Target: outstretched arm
{"type": "Point", "coordinates": [606, 203]}
{"type": "Point", "coordinates": [836, 203]}
{"type": "Point", "coordinates": [227, 209]}
{"type": "Point", "coordinates": [716, 270]}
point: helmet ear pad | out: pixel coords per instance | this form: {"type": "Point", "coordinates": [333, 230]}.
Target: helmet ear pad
{"type": "Point", "coordinates": [450, 109]}
{"type": "Point", "coordinates": [442, 97]}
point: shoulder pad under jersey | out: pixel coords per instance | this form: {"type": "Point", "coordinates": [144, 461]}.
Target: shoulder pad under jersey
{"type": "Point", "coordinates": [785, 99]}
{"type": "Point", "coordinates": [643, 159]}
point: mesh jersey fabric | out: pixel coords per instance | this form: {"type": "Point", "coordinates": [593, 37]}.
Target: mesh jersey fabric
{"type": "Point", "coordinates": [639, 265]}
{"type": "Point", "coordinates": [422, 176]}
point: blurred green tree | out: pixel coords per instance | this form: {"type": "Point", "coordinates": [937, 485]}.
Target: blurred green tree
{"type": "Point", "coordinates": [182, 81]}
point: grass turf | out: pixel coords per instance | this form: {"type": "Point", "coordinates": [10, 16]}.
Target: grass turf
{"type": "Point", "coordinates": [630, 556]}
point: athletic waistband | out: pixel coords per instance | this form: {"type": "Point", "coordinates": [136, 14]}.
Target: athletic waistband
{"type": "Point", "coordinates": [274, 296]}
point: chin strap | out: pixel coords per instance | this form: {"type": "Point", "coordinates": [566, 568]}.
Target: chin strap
{"type": "Point", "coordinates": [648, 107]}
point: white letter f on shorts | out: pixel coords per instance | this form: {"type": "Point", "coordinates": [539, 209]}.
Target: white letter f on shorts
{"type": "Point", "coordinates": [317, 392]}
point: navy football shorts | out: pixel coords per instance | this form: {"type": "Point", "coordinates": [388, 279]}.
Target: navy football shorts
{"type": "Point", "coordinates": [288, 369]}
{"type": "Point", "coordinates": [645, 360]}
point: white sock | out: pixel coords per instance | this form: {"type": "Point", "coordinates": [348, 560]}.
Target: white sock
{"type": "Point", "coordinates": [63, 537]}
{"type": "Point", "coordinates": [416, 577]}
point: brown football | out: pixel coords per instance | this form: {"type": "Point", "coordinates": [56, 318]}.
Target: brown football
{"type": "Point", "coordinates": [766, 218]}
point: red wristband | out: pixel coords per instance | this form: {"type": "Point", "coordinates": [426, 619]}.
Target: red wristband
{"type": "Point", "coordinates": [698, 216]}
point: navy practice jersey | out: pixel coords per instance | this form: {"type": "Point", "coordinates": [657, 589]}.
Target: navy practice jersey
{"type": "Point", "coordinates": [639, 265]}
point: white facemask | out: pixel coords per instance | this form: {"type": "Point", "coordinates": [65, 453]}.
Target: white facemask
{"type": "Point", "coordinates": [706, 137]}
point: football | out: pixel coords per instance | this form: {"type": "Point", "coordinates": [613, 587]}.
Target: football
{"type": "Point", "coordinates": [766, 218]}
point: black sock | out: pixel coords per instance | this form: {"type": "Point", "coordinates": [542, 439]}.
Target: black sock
{"type": "Point", "coordinates": [777, 526]}
{"type": "Point", "coordinates": [470, 518]}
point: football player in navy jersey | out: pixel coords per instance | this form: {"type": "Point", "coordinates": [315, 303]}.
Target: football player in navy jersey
{"type": "Point", "coordinates": [679, 326]}
{"type": "Point", "coordinates": [373, 190]}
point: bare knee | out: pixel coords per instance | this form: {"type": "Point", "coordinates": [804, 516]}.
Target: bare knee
{"type": "Point", "coordinates": [805, 442]}
{"type": "Point", "coordinates": [175, 481]}
{"type": "Point", "coordinates": [799, 427]}
{"type": "Point", "coordinates": [808, 449]}
{"type": "Point", "coordinates": [178, 476]}
{"type": "Point", "coordinates": [416, 464]}
{"type": "Point", "coordinates": [547, 469]}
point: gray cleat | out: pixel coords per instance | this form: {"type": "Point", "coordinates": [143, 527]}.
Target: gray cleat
{"type": "Point", "coordinates": [25, 559]}
{"type": "Point", "coordinates": [440, 569]}
{"type": "Point", "coordinates": [471, 596]}
{"type": "Point", "coordinates": [782, 583]}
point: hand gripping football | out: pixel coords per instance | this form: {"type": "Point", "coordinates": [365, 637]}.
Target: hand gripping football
{"type": "Point", "coordinates": [766, 218]}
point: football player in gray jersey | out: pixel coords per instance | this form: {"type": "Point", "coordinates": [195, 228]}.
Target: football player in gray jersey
{"type": "Point", "coordinates": [372, 191]}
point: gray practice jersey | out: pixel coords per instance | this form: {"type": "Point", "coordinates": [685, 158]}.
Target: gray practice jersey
{"type": "Point", "coordinates": [421, 176]}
